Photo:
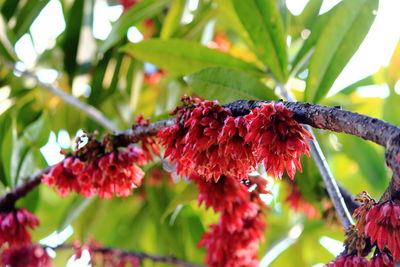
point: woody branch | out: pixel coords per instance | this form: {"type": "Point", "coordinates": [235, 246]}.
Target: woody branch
{"type": "Point", "coordinates": [317, 116]}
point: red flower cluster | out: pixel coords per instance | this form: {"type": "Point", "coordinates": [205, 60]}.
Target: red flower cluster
{"type": "Point", "coordinates": [360, 214]}
{"type": "Point", "coordinates": [207, 140]}
{"type": "Point", "coordinates": [27, 256]}
{"type": "Point", "coordinates": [378, 260]}
{"type": "Point", "coordinates": [296, 201]}
{"type": "Point", "coordinates": [114, 173]}
{"type": "Point", "coordinates": [348, 261]}
{"type": "Point", "coordinates": [14, 227]}
{"type": "Point", "coordinates": [233, 241]}
{"type": "Point", "coordinates": [202, 143]}
{"type": "Point", "coordinates": [383, 227]}
{"type": "Point", "coordinates": [277, 139]}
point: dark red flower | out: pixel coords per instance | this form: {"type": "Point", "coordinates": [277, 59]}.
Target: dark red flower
{"type": "Point", "coordinates": [27, 256]}
{"type": "Point", "coordinates": [383, 227]}
{"type": "Point", "coordinates": [233, 248]}
{"type": "Point", "coordinates": [296, 201]}
{"type": "Point", "coordinates": [233, 241]}
{"type": "Point", "coordinates": [348, 261]}
{"type": "Point", "coordinates": [14, 227]}
{"type": "Point", "coordinates": [114, 173]}
{"type": "Point", "coordinates": [277, 139]}
{"type": "Point", "coordinates": [207, 141]}
{"type": "Point", "coordinates": [380, 260]}
{"type": "Point", "coordinates": [360, 214]}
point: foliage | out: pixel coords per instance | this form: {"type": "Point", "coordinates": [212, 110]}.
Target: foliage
{"type": "Point", "coordinates": [227, 50]}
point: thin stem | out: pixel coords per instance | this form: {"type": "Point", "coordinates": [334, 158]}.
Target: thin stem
{"type": "Point", "coordinates": [327, 175]}
{"type": "Point", "coordinates": [139, 255]}
{"type": "Point", "coordinates": [89, 110]}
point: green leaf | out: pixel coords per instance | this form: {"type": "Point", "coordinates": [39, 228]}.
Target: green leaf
{"type": "Point", "coordinates": [75, 208]}
{"type": "Point", "coordinates": [369, 80]}
{"type": "Point", "coordinates": [137, 13]}
{"type": "Point", "coordinates": [8, 8]}
{"type": "Point", "coordinates": [184, 57]}
{"type": "Point", "coordinates": [27, 15]}
{"type": "Point", "coordinates": [71, 38]}
{"type": "Point", "coordinates": [340, 39]}
{"type": "Point", "coordinates": [316, 28]}
{"type": "Point", "coordinates": [172, 19]}
{"type": "Point", "coordinates": [371, 162]}
{"type": "Point", "coordinates": [228, 85]}
{"type": "Point", "coordinates": [188, 194]}
{"type": "Point", "coordinates": [263, 22]}
{"type": "Point", "coordinates": [37, 133]}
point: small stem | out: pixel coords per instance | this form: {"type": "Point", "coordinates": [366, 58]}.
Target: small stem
{"type": "Point", "coordinates": [136, 254]}
{"type": "Point", "coordinates": [327, 176]}
{"type": "Point", "coordinates": [89, 110]}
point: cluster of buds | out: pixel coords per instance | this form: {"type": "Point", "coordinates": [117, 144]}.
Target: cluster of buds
{"type": "Point", "coordinates": [14, 227]}
{"type": "Point", "coordinates": [207, 140]}
{"type": "Point", "coordinates": [113, 173]}
{"type": "Point", "coordinates": [233, 241]}
{"type": "Point", "coordinates": [30, 255]}
{"type": "Point", "coordinates": [377, 226]}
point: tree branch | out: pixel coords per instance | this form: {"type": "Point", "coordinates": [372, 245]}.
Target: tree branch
{"type": "Point", "coordinates": [322, 117]}
{"type": "Point", "coordinates": [89, 110]}
{"type": "Point", "coordinates": [136, 254]}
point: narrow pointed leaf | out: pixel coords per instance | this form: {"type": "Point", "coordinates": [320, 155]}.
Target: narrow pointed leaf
{"type": "Point", "coordinates": [263, 22]}
{"type": "Point", "coordinates": [228, 85]}
{"type": "Point", "coordinates": [339, 41]}
{"type": "Point", "coordinates": [139, 12]}
{"type": "Point", "coordinates": [184, 57]}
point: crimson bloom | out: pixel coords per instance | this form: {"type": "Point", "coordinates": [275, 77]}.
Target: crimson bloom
{"type": "Point", "coordinates": [277, 139]}
{"type": "Point", "coordinates": [296, 201]}
{"type": "Point", "coordinates": [14, 227]}
{"type": "Point", "coordinates": [233, 241]}
{"type": "Point", "coordinates": [380, 260]}
{"type": "Point", "coordinates": [114, 173]}
{"type": "Point", "coordinates": [348, 261]}
{"type": "Point", "coordinates": [207, 141]}
{"type": "Point", "coordinates": [27, 256]}
{"type": "Point", "coordinates": [383, 227]}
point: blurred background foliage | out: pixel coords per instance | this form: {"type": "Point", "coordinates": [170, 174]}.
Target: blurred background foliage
{"type": "Point", "coordinates": [132, 57]}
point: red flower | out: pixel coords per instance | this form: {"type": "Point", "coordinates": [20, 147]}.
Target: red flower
{"type": "Point", "coordinates": [296, 201]}
{"type": "Point", "coordinates": [14, 227]}
{"type": "Point", "coordinates": [233, 241]}
{"type": "Point", "coordinates": [277, 139]}
{"type": "Point", "coordinates": [207, 141]}
{"type": "Point", "coordinates": [383, 227]}
{"type": "Point", "coordinates": [114, 173]}
{"type": "Point", "coordinates": [380, 260]}
{"type": "Point", "coordinates": [348, 261]}
{"type": "Point", "coordinates": [233, 249]}
{"type": "Point", "coordinates": [27, 256]}
{"type": "Point", "coordinates": [360, 214]}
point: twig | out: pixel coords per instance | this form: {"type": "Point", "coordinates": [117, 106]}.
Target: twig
{"type": "Point", "coordinates": [89, 110]}
{"type": "Point", "coordinates": [136, 254]}
{"type": "Point", "coordinates": [8, 200]}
